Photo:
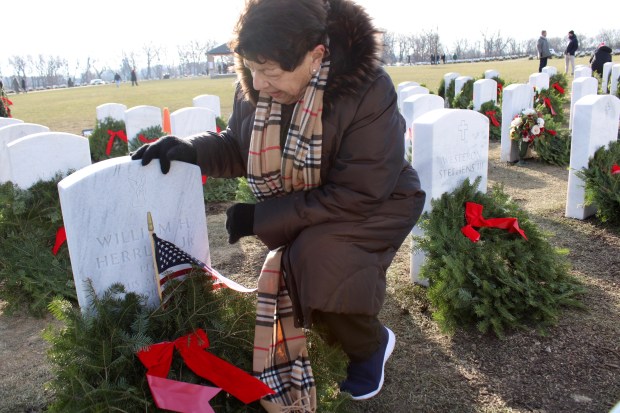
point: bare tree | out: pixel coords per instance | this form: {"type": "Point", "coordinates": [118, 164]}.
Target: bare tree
{"type": "Point", "coordinates": [20, 64]}
{"type": "Point", "coordinates": [151, 53]}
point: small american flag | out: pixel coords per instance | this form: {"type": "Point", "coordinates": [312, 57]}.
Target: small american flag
{"type": "Point", "coordinates": [174, 263]}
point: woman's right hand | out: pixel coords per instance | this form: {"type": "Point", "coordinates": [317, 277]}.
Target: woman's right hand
{"type": "Point", "coordinates": [166, 149]}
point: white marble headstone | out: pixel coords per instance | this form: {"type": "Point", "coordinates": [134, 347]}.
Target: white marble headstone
{"type": "Point", "coordinates": [190, 121]}
{"type": "Point", "coordinates": [550, 70]}
{"type": "Point", "coordinates": [582, 86]}
{"type": "Point", "coordinates": [459, 82]}
{"type": "Point", "coordinates": [539, 81]}
{"type": "Point", "coordinates": [448, 78]}
{"type": "Point", "coordinates": [450, 145]}
{"type": "Point", "coordinates": [484, 91]}
{"type": "Point", "coordinates": [490, 74]}
{"type": "Point", "coordinates": [40, 156]}
{"type": "Point", "coordinates": [414, 107]}
{"type": "Point", "coordinates": [583, 72]}
{"type": "Point", "coordinates": [606, 73]}
{"type": "Point", "coordinates": [9, 134]}
{"type": "Point", "coordinates": [615, 74]}
{"type": "Point", "coordinates": [141, 117]}
{"type": "Point", "coordinates": [9, 121]}
{"type": "Point", "coordinates": [399, 90]}
{"type": "Point", "coordinates": [210, 102]}
{"type": "Point", "coordinates": [115, 111]}
{"type": "Point", "coordinates": [516, 97]}
{"type": "Point", "coordinates": [104, 209]}
{"type": "Point", "coordinates": [595, 124]}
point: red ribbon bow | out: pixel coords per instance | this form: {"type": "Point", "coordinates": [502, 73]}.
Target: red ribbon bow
{"type": "Point", "coordinates": [61, 237]}
{"type": "Point", "coordinates": [491, 115]}
{"type": "Point", "coordinates": [473, 216]}
{"type": "Point", "coordinates": [144, 139]}
{"type": "Point", "coordinates": [548, 104]}
{"type": "Point", "coordinates": [114, 134]}
{"type": "Point", "coordinates": [551, 132]}
{"type": "Point", "coordinates": [158, 358]}
{"type": "Point", "coordinates": [500, 87]}
{"type": "Point", "coordinates": [615, 169]}
{"type": "Point", "coordinates": [557, 87]}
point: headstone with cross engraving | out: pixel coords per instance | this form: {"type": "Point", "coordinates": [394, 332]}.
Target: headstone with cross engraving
{"type": "Point", "coordinates": [104, 208]}
{"type": "Point", "coordinates": [595, 124]}
{"type": "Point", "coordinates": [449, 145]}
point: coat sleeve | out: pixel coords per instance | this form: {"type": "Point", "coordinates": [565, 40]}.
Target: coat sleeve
{"type": "Point", "coordinates": [362, 176]}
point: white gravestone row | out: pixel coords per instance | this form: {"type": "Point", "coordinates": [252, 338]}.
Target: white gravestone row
{"type": "Point", "coordinates": [615, 73]}
{"type": "Point", "coordinates": [539, 81]}
{"type": "Point", "coordinates": [9, 121]}
{"type": "Point", "coordinates": [139, 118]}
{"type": "Point", "coordinates": [40, 156]}
{"type": "Point", "coordinates": [583, 71]}
{"type": "Point", "coordinates": [189, 121]}
{"type": "Point", "coordinates": [582, 86]}
{"type": "Point", "coordinates": [399, 92]}
{"type": "Point", "coordinates": [516, 98]}
{"type": "Point", "coordinates": [9, 134]}
{"type": "Point", "coordinates": [459, 82]}
{"type": "Point", "coordinates": [491, 74]}
{"type": "Point", "coordinates": [605, 79]}
{"type": "Point", "coordinates": [115, 111]}
{"type": "Point", "coordinates": [448, 78]}
{"type": "Point", "coordinates": [211, 102]}
{"type": "Point", "coordinates": [104, 208]}
{"type": "Point", "coordinates": [550, 70]}
{"type": "Point", "coordinates": [485, 90]}
{"type": "Point", "coordinates": [449, 146]}
{"type": "Point", "coordinates": [414, 107]}
{"type": "Point", "coordinates": [595, 124]}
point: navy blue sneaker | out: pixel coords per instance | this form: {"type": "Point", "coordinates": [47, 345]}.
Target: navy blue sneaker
{"type": "Point", "coordinates": [365, 378]}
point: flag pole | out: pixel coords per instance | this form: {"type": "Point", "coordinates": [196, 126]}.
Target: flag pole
{"type": "Point", "coordinates": [149, 220]}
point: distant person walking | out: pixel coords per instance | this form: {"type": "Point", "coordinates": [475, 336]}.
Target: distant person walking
{"type": "Point", "coordinates": [117, 79]}
{"type": "Point", "coordinates": [601, 55]}
{"type": "Point", "coordinates": [24, 85]}
{"type": "Point", "coordinates": [543, 50]}
{"type": "Point", "coordinates": [15, 85]}
{"type": "Point", "coordinates": [569, 53]}
{"type": "Point", "coordinates": [134, 77]}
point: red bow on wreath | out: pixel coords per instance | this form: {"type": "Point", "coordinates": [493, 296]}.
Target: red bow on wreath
{"type": "Point", "coordinates": [113, 134]}
{"type": "Point", "coordinates": [473, 216]}
{"type": "Point", "coordinates": [548, 104]}
{"type": "Point", "coordinates": [615, 169]}
{"type": "Point", "coordinates": [144, 139]}
{"type": "Point", "coordinates": [491, 115]}
{"type": "Point", "coordinates": [557, 87]}
{"type": "Point", "coordinates": [61, 237]}
{"type": "Point", "coordinates": [187, 397]}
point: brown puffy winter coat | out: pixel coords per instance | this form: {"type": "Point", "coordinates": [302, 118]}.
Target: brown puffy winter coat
{"type": "Point", "coordinates": [341, 237]}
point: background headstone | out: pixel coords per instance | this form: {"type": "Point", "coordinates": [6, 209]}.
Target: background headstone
{"type": "Point", "coordinates": [190, 121]}
{"type": "Point", "coordinates": [104, 209]}
{"type": "Point", "coordinates": [449, 146]}
{"type": "Point", "coordinates": [9, 134]}
{"type": "Point", "coordinates": [414, 107]}
{"type": "Point", "coordinates": [459, 82]}
{"type": "Point", "coordinates": [584, 71]}
{"type": "Point", "coordinates": [447, 79]}
{"type": "Point", "coordinates": [550, 70]}
{"type": "Point", "coordinates": [210, 102]}
{"type": "Point", "coordinates": [40, 156]}
{"type": "Point", "coordinates": [605, 79]}
{"type": "Point", "coordinates": [115, 111]}
{"type": "Point", "coordinates": [399, 89]}
{"type": "Point", "coordinates": [9, 121]}
{"type": "Point", "coordinates": [141, 117]}
{"type": "Point", "coordinates": [539, 81]}
{"type": "Point", "coordinates": [582, 86]}
{"type": "Point", "coordinates": [516, 97]}
{"type": "Point", "coordinates": [490, 74]}
{"type": "Point", "coordinates": [615, 73]}
{"type": "Point", "coordinates": [595, 124]}
{"type": "Point", "coordinates": [484, 91]}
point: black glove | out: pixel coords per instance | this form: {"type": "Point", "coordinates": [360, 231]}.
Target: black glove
{"type": "Point", "coordinates": [239, 221]}
{"type": "Point", "coordinates": [166, 149]}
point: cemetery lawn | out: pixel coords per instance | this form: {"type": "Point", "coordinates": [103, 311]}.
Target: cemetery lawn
{"type": "Point", "coordinates": [575, 368]}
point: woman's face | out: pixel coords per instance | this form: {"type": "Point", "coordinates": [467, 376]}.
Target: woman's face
{"type": "Point", "coordinates": [283, 86]}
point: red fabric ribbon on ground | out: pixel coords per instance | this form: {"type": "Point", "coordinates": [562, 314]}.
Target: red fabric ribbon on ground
{"type": "Point", "coordinates": [61, 237]}
{"type": "Point", "coordinates": [557, 87]}
{"type": "Point", "coordinates": [473, 216]}
{"type": "Point", "coordinates": [113, 134]}
{"type": "Point", "coordinates": [615, 169]}
{"type": "Point", "coordinates": [491, 115]}
{"type": "Point", "coordinates": [548, 103]}
{"type": "Point", "coordinates": [158, 358]}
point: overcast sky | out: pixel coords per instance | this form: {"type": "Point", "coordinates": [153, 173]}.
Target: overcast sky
{"type": "Point", "coordinates": [76, 28]}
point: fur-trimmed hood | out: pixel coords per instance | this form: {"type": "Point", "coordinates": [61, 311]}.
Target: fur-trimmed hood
{"type": "Point", "coordinates": [354, 50]}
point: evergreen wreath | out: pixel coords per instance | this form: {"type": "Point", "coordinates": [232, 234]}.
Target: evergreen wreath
{"type": "Point", "coordinates": [500, 89]}
{"type": "Point", "coordinates": [501, 282]}
{"type": "Point", "coordinates": [549, 103]}
{"type": "Point", "coordinates": [441, 90]}
{"type": "Point", "coordinates": [494, 113]}
{"type": "Point", "coordinates": [99, 139]}
{"type": "Point", "coordinates": [554, 149]}
{"type": "Point", "coordinates": [558, 84]}
{"type": "Point", "coordinates": [30, 274]}
{"type": "Point", "coordinates": [464, 99]}
{"type": "Point", "coordinates": [5, 105]}
{"type": "Point", "coordinates": [450, 90]}
{"type": "Point", "coordinates": [93, 355]}
{"type": "Point", "coordinates": [145, 135]}
{"type": "Point", "coordinates": [602, 183]}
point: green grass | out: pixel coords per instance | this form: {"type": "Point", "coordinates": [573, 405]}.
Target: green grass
{"type": "Point", "coordinates": [72, 110]}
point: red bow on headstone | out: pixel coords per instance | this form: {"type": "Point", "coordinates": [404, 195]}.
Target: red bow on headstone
{"type": "Point", "coordinates": [473, 216]}
{"type": "Point", "coordinates": [615, 169]}
{"type": "Point", "coordinates": [158, 358]}
{"type": "Point", "coordinates": [61, 237]}
{"type": "Point", "coordinates": [491, 115]}
{"type": "Point", "coordinates": [557, 87]}
{"type": "Point", "coordinates": [113, 134]}
{"type": "Point", "coordinates": [548, 104]}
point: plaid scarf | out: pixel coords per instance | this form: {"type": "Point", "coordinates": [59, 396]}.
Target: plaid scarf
{"type": "Point", "coordinates": [280, 353]}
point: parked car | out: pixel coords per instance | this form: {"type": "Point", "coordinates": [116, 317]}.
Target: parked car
{"type": "Point", "coordinates": [97, 82]}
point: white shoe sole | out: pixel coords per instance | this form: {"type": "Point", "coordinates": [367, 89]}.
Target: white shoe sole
{"type": "Point", "coordinates": [388, 353]}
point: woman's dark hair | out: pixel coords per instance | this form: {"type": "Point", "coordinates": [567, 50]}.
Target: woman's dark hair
{"type": "Point", "coordinates": [281, 31]}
